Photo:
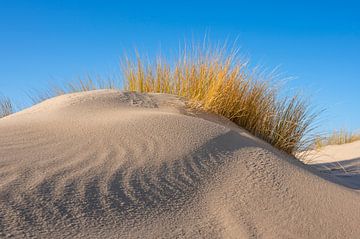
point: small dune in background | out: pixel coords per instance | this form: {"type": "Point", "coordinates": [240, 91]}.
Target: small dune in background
{"type": "Point", "coordinates": [336, 138]}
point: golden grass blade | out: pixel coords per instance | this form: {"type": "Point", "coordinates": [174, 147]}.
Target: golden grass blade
{"type": "Point", "coordinates": [215, 80]}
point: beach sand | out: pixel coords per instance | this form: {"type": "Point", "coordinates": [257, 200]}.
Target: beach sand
{"type": "Point", "coordinates": [341, 161]}
{"type": "Point", "coordinates": [111, 164]}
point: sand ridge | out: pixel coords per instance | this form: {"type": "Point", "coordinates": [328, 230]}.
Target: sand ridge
{"type": "Point", "coordinates": [111, 164]}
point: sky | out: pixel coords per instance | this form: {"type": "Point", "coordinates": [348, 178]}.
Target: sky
{"type": "Point", "coordinates": [316, 43]}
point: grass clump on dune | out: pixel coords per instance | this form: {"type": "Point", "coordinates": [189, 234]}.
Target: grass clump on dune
{"type": "Point", "coordinates": [87, 83]}
{"type": "Point", "coordinates": [215, 80]}
{"type": "Point", "coordinates": [218, 81]}
{"type": "Point", "coordinates": [337, 137]}
{"type": "Point", "coordinates": [6, 107]}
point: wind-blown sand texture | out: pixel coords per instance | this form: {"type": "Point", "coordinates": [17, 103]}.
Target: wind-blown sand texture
{"type": "Point", "coordinates": [110, 164]}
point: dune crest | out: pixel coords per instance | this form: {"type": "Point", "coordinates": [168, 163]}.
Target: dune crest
{"type": "Point", "coordinates": [111, 164]}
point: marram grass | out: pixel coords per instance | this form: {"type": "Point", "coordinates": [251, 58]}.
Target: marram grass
{"type": "Point", "coordinates": [87, 83]}
{"type": "Point", "coordinates": [217, 81]}
{"type": "Point", "coordinates": [337, 137]}
{"type": "Point", "coordinates": [6, 107]}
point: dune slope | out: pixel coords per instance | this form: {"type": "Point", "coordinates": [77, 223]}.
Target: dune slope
{"type": "Point", "coordinates": [110, 164]}
{"type": "Point", "coordinates": [342, 162]}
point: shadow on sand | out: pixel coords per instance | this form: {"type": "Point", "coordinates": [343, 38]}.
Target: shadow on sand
{"type": "Point", "coordinates": [345, 173]}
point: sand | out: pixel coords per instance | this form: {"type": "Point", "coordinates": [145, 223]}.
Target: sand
{"type": "Point", "coordinates": [110, 164]}
{"type": "Point", "coordinates": [341, 161]}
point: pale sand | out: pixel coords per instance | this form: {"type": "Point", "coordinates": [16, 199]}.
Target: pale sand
{"type": "Point", "coordinates": [341, 161]}
{"type": "Point", "coordinates": [107, 164]}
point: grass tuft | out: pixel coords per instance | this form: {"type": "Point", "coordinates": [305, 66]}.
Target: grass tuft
{"type": "Point", "coordinates": [218, 81]}
{"type": "Point", "coordinates": [6, 107]}
{"type": "Point", "coordinates": [87, 83]}
{"type": "Point", "coordinates": [336, 138]}
{"type": "Point", "coordinates": [215, 80]}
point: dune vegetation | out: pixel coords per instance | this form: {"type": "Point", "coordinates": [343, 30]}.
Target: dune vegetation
{"type": "Point", "coordinates": [337, 137]}
{"type": "Point", "coordinates": [215, 80]}
{"type": "Point", "coordinates": [218, 81]}
{"type": "Point", "coordinates": [6, 107]}
{"type": "Point", "coordinates": [87, 83]}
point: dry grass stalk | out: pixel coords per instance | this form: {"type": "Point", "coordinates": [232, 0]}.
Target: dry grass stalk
{"type": "Point", "coordinates": [217, 81]}
{"type": "Point", "coordinates": [337, 137]}
{"type": "Point", "coordinates": [6, 107]}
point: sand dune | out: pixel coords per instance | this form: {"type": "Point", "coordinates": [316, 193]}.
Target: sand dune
{"type": "Point", "coordinates": [342, 162]}
{"type": "Point", "coordinates": [109, 164]}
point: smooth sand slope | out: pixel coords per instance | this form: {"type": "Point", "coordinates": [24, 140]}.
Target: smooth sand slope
{"type": "Point", "coordinates": [341, 161]}
{"type": "Point", "coordinates": [109, 164]}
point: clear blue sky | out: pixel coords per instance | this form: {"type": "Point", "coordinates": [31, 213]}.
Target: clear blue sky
{"type": "Point", "coordinates": [316, 41]}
